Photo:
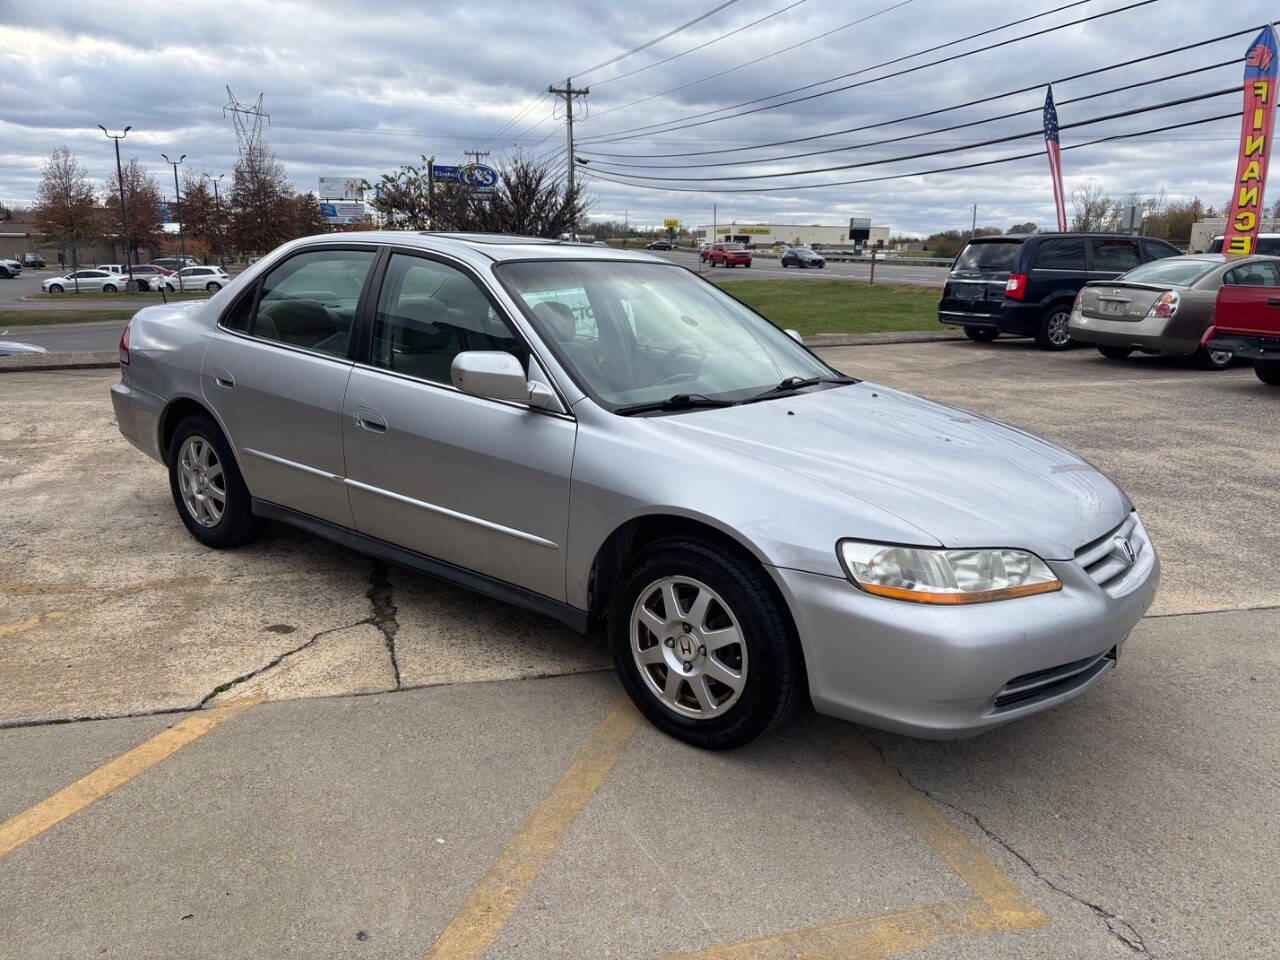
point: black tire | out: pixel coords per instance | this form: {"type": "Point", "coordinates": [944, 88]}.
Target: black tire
{"type": "Point", "coordinates": [783, 264]}
{"type": "Point", "coordinates": [212, 286]}
{"type": "Point", "coordinates": [775, 671]}
{"type": "Point", "coordinates": [1114, 353]}
{"type": "Point", "coordinates": [1205, 360]}
{"type": "Point", "coordinates": [56, 288]}
{"type": "Point", "coordinates": [1268, 371]}
{"type": "Point", "coordinates": [1049, 334]}
{"type": "Point", "coordinates": [822, 265]}
{"type": "Point", "coordinates": [981, 334]}
{"type": "Point", "coordinates": [747, 265]}
{"type": "Point", "coordinates": [110, 288]}
{"type": "Point", "coordinates": [238, 525]}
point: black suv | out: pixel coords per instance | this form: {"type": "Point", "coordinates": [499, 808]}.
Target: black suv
{"type": "Point", "coordinates": [1025, 284]}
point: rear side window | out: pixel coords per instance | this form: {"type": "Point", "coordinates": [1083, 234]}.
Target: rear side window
{"type": "Point", "coordinates": [1060, 253]}
{"type": "Point", "coordinates": [1257, 274]}
{"type": "Point", "coordinates": [997, 255]}
{"type": "Point", "coordinates": [1115, 254]}
{"type": "Point", "coordinates": [1158, 250]}
{"type": "Point", "coordinates": [310, 300]}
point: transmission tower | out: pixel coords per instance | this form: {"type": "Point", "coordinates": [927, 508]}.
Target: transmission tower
{"type": "Point", "coordinates": [247, 120]}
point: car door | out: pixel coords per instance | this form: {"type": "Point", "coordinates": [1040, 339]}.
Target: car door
{"type": "Point", "coordinates": [276, 372]}
{"type": "Point", "coordinates": [482, 484]}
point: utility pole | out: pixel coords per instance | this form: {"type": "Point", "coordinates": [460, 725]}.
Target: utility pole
{"type": "Point", "coordinates": [124, 220]}
{"type": "Point", "coordinates": [431, 192]}
{"type": "Point", "coordinates": [177, 199]}
{"type": "Point", "coordinates": [217, 212]}
{"type": "Point", "coordinates": [475, 155]}
{"type": "Point", "coordinates": [568, 92]}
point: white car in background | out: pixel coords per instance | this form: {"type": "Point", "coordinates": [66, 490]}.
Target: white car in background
{"type": "Point", "coordinates": [212, 279]}
{"type": "Point", "coordinates": [9, 268]}
{"type": "Point", "coordinates": [95, 280]}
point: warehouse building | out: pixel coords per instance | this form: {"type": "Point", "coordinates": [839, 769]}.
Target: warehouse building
{"type": "Point", "coordinates": [810, 234]}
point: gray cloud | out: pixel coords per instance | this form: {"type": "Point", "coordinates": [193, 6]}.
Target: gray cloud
{"type": "Point", "coordinates": [358, 91]}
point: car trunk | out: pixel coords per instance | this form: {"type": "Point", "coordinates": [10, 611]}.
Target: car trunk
{"type": "Point", "coordinates": [977, 281]}
{"type": "Point", "coordinates": [1119, 301]}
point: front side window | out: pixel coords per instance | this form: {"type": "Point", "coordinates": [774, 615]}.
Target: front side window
{"type": "Point", "coordinates": [638, 333]}
{"type": "Point", "coordinates": [428, 313]}
{"type": "Point", "coordinates": [310, 300]}
{"type": "Point", "coordinates": [1115, 255]}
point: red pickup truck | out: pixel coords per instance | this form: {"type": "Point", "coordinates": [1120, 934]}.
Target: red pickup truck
{"type": "Point", "coordinates": [1246, 321]}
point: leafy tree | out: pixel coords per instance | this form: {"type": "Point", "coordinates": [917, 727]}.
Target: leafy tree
{"type": "Point", "coordinates": [261, 202]}
{"type": "Point", "coordinates": [66, 210]}
{"type": "Point", "coordinates": [141, 205]}
{"type": "Point", "coordinates": [304, 216]}
{"type": "Point", "coordinates": [203, 221]}
{"type": "Point", "coordinates": [403, 197]}
{"type": "Point", "coordinates": [1028, 227]}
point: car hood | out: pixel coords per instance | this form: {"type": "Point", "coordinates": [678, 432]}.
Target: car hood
{"type": "Point", "coordinates": [960, 478]}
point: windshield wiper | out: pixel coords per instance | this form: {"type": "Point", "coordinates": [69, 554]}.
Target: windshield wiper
{"type": "Point", "coordinates": [677, 401]}
{"type": "Point", "coordinates": [792, 384]}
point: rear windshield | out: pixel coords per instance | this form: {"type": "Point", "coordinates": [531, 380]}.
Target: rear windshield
{"type": "Point", "coordinates": [1267, 245]}
{"type": "Point", "coordinates": [988, 255]}
{"type": "Point", "coordinates": [1174, 272]}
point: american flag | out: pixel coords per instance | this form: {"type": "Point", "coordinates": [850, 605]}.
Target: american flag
{"type": "Point", "coordinates": [1055, 157]}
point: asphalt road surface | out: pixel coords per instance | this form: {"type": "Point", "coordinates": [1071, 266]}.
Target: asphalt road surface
{"type": "Point", "coordinates": [68, 337]}
{"type": "Point", "coordinates": [887, 271]}
{"type": "Point", "coordinates": [433, 774]}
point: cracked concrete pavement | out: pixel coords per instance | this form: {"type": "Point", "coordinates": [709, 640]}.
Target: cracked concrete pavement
{"type": "Point", "coordinates": [1140, 818]}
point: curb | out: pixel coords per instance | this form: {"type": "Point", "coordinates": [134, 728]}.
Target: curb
{"type": "Point", "coordinates": [37, 362]}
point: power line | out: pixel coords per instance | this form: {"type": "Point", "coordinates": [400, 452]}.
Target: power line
{"type": "Point", "coordinates": [646, 45]}
{"type": "Point", "coordinates": [739, 161]}
{"type": "Point", "coordinates": [531, 104]}
{"type": "Point", "coordinates": [1039, 131]}
{"type": "Point", "coordinates": [938, 110]}
{"type": "Point", "coordinates": [617, 136]}
{"type": "Point", "coordinates": [677, 56]}
{"type": "Point", "coordinates": [925, 173]}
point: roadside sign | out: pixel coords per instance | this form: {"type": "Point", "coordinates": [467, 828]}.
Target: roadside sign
{"type": "Point", "coordinates": [671, 223]}
{"type": "Point", "coordinates": [479, 176]}
{"type": "Point", "coordinates": [341, 212]}
{"type": "Point", "coordinates": [340, 188]}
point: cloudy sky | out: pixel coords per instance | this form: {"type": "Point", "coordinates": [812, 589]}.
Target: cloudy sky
{"type": "Point", "coordinates": [354, 92]}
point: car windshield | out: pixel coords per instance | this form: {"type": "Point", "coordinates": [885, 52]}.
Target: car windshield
{"type": "Point", "coordinates": [638, 333]}
{"type": "Point", "coordinates": [991, 255]}
{"type": "Point", "coordinates": [1174, 271]}
{"type": "Point", "coordinates": [732, 246]}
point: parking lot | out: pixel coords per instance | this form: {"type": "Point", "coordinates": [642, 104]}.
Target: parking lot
{"type": "Point", "coordinates": [293, 750]}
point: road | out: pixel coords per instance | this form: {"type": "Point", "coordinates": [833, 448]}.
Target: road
{"type": "Point", "coordinates": [888, 271]}
{"type": "Point", "coordinates": [68, 337]}
{"type": "Point", "coordinates": [434, 774]}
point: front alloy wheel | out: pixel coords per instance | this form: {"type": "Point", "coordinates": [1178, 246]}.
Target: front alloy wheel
{"type": "Point", "coordinates": [211, 496]}
{"type": "Point", "coordinates": [688, 647]}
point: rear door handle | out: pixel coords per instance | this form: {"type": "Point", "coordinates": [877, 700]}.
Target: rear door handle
{"type": "Point", "coordinates": [1274, 302]}
{"type": "Point", "coordinates": [370, 420]}
{"type": "Point", "coordinates": [223, 378]}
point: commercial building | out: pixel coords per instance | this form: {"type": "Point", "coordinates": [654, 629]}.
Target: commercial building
{"type": "Point", "coordinates": [1203, 231]}
{"type": "Point", "coordinates": [768, 234]}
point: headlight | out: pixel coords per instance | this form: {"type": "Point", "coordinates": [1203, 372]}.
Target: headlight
{"type": "Point", "coordinates": [923, 575]}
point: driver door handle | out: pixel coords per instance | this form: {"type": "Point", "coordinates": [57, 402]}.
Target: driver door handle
{"type": "Point", "coordinates": [370, 420]}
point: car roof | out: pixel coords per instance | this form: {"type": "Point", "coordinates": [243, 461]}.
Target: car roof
{"type": "Point", "coordinates": [496, 247]}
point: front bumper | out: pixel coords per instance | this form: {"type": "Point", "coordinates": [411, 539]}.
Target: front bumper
{"type": "Point", "coordinates": [138, 414]}
{"type": "Point", "coordinates": [949, 672]}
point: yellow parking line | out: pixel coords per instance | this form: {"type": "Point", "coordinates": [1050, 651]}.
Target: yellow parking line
{"type": "Point", "coordinates": [70, 800]}
{"type": "Point", "coordinates": [484, 914]}
{"type": "Point", "coordinates": [868, 938]}
{"type": "Point", "coordinates": [1010, 908]}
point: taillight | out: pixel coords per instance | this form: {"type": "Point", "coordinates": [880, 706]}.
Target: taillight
{"type": "Point", "coordinates": [1016, 286]}
{"type": "Point", "coordinates": [124, 346]}
{"type": "Point", "coordinates": [1166, 305]}
{"type": "Point", "coordinates": [1075, 307]}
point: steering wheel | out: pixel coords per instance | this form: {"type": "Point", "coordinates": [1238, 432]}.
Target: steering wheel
{"type": "Point", "coordinates": [687, 347]}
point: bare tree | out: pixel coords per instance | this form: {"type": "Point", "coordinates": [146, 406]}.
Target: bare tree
{"type": "Point", "coordinates": [141, 204]}
{"type": "Point", "coordinates": [66, 210]}
{"type": "Point", "coordinates": [261, 197]}
{"type": "Point", "coordinates": [1092, 207]}
{"type": "Point", "coordinates": [528, 200]}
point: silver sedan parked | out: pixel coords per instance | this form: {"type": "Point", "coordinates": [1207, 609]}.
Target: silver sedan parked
{"type": "Point", "coordinates": [601, 436]}
{"type": "Point", "coordinates": [1165, 306]}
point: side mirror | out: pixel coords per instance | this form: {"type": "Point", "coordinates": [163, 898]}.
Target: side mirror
{"type": "Point", "coordinates": [497, 375]}
{"type": "Point", "coordinates": [794, 335]}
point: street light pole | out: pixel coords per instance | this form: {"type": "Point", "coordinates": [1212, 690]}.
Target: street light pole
{"type": "Point", "coordinates": [217, 212]}
{"type": "Point", "coordinates": [124, 220]}
{"type": "Point", "coordinates": [177, 199]}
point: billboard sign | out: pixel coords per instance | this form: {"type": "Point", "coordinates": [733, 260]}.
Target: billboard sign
{"type": "Point", "coordinates": [340, 188]}
{"type": "Point", "coordinates": [671, 223]}
{"type": "Point", "coordinates": [1260, 69]}
{"type": "Point", "coordinates": [760, 230]}
{"type": "Point", "coordinates": [859, 228]}
{"type": "Point", "coordinates": [477, 175]}
{"type": "Point", "coordinates": [342, 212]}
{"type": "Point", "coordinates": [166, 216]}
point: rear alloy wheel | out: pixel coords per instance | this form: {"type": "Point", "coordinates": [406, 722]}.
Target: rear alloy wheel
{"type": "Point", "coordinates": [108, 288]}
{"type": "Point", "coordinates": [1114, 353]}
{"type": "Point", "coordinates": [1268, 371]}
{"type": "Point", "coordinates": [207, 488]}
{"type": "Point", "coordinates": [1052, 333]}
{"type": "Point", "coordinates": [1211, 359]}
{"type": "Point", "coordinates": [981, 334]}
{"type": "Point", "coordinates": [703, 644]}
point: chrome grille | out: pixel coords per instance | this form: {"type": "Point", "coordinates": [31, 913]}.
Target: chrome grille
{"type": "Point", "coordinates": [1033, 687]}
{"type": "Point", "coordinates": [1112, 554]}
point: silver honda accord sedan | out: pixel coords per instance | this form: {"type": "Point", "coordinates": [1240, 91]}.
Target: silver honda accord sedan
{"type": "Point", "coordinates": [602, 437]}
